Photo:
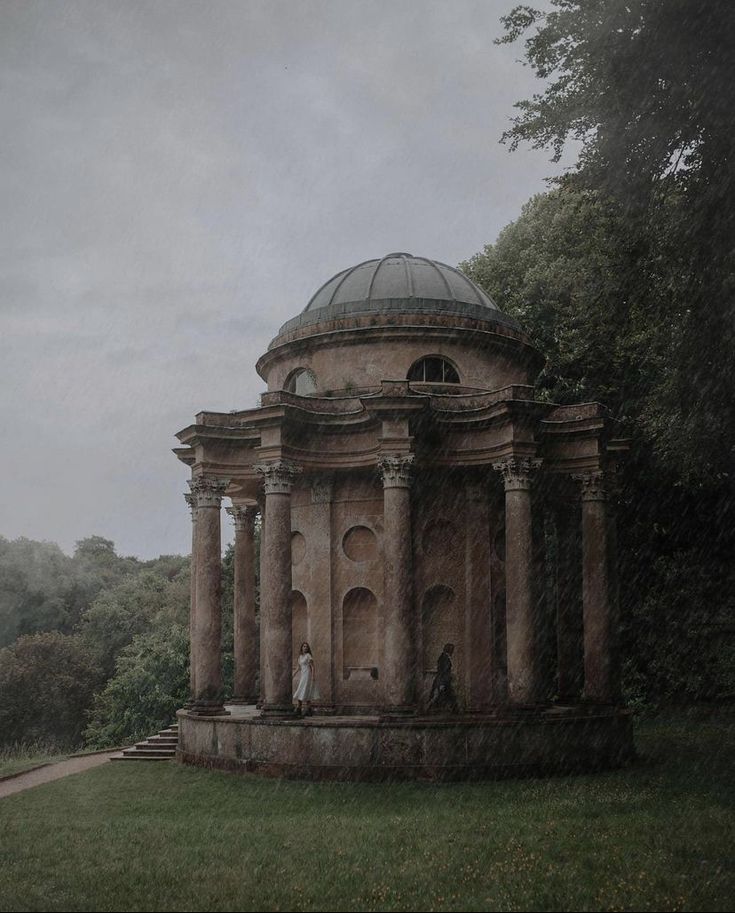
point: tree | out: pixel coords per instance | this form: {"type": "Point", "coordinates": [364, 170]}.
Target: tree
{"type": "Point", "coordinates": [158, 594]}
{"type": "Point", "coordinates": [646, 88]}
{"type": "Point", "coordinates": [46, 685]}
{"type": "Point", "coordinates": [37, 589]}
{"type": "Point", "coordinates": [558, 270]}
{"type": "Point", "coordinates": [150, 683]}
{"type": "Point", "coordinates": [91, 607]}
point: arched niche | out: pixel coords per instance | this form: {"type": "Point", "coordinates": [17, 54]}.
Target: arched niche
{"type": "Point", "coordinates": [359, 632]}
{"type": "Point", "coordinates": [299, 623]}
{"type": "Point", "coordinates": [441, 623]}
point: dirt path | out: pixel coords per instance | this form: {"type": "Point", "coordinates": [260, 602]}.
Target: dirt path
{"type": "Point", "coordinates": [53, 772]}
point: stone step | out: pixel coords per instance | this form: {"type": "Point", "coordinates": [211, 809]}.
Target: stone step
{"type": "Point", "coordinates": [148, 753]}
{"type": "Point", "coordinates": [143, 756]}
{"type": "Point", "coordinates": [159, 747]}
{"type": "Point", "coordinates": [153, 746]}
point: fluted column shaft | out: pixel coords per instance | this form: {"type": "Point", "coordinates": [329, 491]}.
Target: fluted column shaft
{"type": "Point", "coordinates": [275, 589]}
{"type": "Point", "coordinates": [261, 574]}
{"type": "Point", "coordinates": [398, 649]}
{"type": "Point", "coordinates": [596, 604]}
{"type": "Point", "coordinates": [207, 632]}
{"type": "Point", "coordinates": [569, 625]}
{"type": "Point", "coordinates": [192, 601]}
{"type": "Point", "coordinates": [244, 628]}
{"type": "Point", "coordinates": [520, 623]}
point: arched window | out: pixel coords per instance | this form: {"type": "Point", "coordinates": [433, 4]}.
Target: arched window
{"type": "Point", "coordinates": [302, 381]}
{"type": "Point", "coordinates": [433, 369]}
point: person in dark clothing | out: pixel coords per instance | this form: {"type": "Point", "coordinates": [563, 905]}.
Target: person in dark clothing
{"type": "Point", "coordinates": [442, 689]}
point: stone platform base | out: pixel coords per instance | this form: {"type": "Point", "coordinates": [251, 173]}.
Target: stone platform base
{"type": "Point", "coordinates": [500, 743]}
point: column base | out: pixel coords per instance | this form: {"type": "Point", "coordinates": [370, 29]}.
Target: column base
{"type": "Point", "coordinates": [277, 711]}
{"type": "Point", "coordinates": [243, 700]}
{"type": "Point", "coordinates": [208, 708]}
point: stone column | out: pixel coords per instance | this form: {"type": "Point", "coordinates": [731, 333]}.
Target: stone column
{"type": "Point", "coordinates": [189, 498]}
{"type": "Point", "coordinates": [519, 599]}
{"type": "Point", "coordinates": [596, 607]}
{"type": "Point", "coordinates": [275, 589]}
{"type": "Point", "coordinates": [245, 646]}
{"type": "Point", "coordinates": [261, 578]}
{"type": "Point", "coordinates": [478, 631]}
{"type": "Point", "coordinates": [207, 634]}
{"type": "Point", "coordinates": [569, 625]}
{"type": "Point", "coordinates": [399, 674]}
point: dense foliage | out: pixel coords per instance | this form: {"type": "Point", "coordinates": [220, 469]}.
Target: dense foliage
{"type": "Point", "coordinates": [151, 682]}
{"type": "Point", "coordinates": [46, 683]}
{"type": "Point", "coordinates": [624, 273]}
{"type": "Point", "coordinates": [559, 271]}
{"type": "Point", "coordinates": [103, 654]}
{"type": "Point", "coordinates": [646, 88]}
{"type": "Point", "coordinates": [42, 589]}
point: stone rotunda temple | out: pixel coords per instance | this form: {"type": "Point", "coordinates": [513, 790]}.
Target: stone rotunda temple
{"type": "Point", "coordinates": [411, 492]}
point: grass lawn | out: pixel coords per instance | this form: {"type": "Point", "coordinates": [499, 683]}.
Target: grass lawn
{"type": "Point", "coordinates": [158, 836]}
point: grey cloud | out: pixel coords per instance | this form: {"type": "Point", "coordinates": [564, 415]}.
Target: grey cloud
{"type": "Point", "coordinates": [177, 179]}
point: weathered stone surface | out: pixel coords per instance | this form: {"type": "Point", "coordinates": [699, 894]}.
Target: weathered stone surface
{"type": "Point", "coordinates": [366, 748]}
{"type": "Point", "coordinates": [244, 604]}
{"type": "Point", "coordinates": [386, 534]}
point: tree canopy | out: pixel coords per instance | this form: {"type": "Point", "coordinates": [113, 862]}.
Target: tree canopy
{"type": "Point", "coordinates": [624, 275]}
{"type": "Point", "coordinates": [646, 90]}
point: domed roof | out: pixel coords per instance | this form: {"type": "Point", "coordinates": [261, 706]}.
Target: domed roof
{"type": "Point", "coordinates": [399, 276]}
{"type": "Point", "coordinates": [398, 282]}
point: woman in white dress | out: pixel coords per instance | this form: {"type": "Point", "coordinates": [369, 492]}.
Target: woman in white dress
{"type": "Point", "coordinates": [306, 689]}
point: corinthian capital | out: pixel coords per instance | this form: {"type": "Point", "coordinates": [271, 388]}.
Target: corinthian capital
{"type": "Point", "coordinates": [207, 492]}
{"type": "Point", "coordinates": [243, 517]}
{"type": "Point", "coordinates": [593, 485]}
{"type": "Point", "coordinates": [396, 470]}
{"type": "Point", "coordinates": [278, 476]}
{"type": "Point", "coordinates": [189, 498]}
{"type": "Point", "coordinates": [517, 472]}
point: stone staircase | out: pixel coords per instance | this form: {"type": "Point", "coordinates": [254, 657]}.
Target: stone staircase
{"type": "Point", "coordinates": [159, 747]}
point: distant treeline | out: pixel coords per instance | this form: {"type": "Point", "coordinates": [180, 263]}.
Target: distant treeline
{"type": "Point", "coordinates": [95, 647]}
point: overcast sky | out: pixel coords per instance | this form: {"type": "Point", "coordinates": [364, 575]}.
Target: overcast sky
{"type": "Point", "coordinates": [176, 180]}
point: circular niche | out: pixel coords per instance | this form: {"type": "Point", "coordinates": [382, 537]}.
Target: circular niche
{"type": "Point", "coordinates": [298, 548]}
{"type": "Point", "coordinates": [440, 537]}
{"type": "Point", "coordinates": [360, 544]}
